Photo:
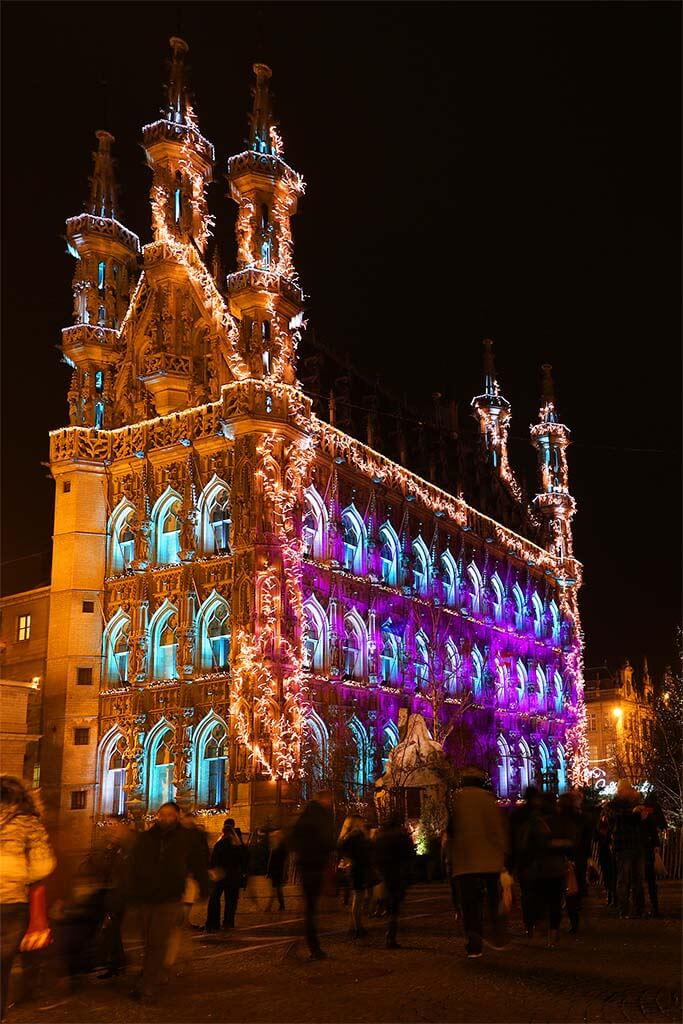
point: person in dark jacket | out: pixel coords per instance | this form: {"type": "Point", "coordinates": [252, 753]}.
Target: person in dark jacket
{"type": "Point", "coordinates": [653, 822]}
{"type": "Point", "coordinates": [394, 858]}
{"type": "Point", "coordinates": [517, 861]}
{"type": "Point", "coordinates": [275, 870]}
{"type": "Point", "coordinates": [227, 868]}
{"type": "Point", "coordinates": [570, 826]}
{"type": "Point", "coordinates": [312, 840]}
{"type": "Point", "coordinates": [112, 953]}
{"type": "Point", "coordinates": [354, 844]}
{"type": "Point", "coordinates": [628, 845]}
{"type": "Point", "coordinates": [603, 835]}
{"type": "Point", "coordinates": [543, 850]}
{"type": "Point", "coordinates": [161, 860]}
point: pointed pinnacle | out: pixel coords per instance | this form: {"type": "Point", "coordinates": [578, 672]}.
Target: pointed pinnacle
{"type": "Point", "coordinates": [102, 200]}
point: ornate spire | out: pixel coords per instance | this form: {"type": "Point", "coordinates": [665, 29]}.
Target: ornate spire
{"type": "Point", "coordinates": [178, 107]}
{"type": "Point", "coordinates": [550, 438]}
{"type": "Point", "coordinates": [102, 201]}
{"type": "Point", "coordinates": [548, 410]}
{"type": "Point", "coordinates": [493, 412]}
{"type": "Point", "coordinates": [490, 382]}
{"type": "Point", "coordinates": [261, 119]}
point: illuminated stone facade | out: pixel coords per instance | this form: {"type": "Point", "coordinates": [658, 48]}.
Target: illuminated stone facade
{"type": "Point", "coordinates": [260, 598]}
{"type": "Point", "coordinates": [620, 724]}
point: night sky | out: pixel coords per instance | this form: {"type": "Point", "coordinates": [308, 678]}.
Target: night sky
{"type": "Point", "coordinates": [473, 170]}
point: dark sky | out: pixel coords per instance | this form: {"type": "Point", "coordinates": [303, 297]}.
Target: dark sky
{"type": "Point", "coordinates": [473, 170]}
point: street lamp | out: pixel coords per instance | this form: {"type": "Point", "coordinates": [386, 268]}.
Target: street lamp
{"type": "Point", "coordinates": [617, 712]}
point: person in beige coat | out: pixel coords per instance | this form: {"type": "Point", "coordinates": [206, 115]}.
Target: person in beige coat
{"type": "Point", "coordinates": [476, 857]}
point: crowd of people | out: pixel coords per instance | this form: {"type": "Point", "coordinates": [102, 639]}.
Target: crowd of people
{"type": "Point", "coordinates": [154, 876]}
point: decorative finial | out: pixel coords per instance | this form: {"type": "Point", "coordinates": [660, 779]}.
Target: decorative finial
{"type": "Point", "coordinates": [261, 117]}
{"type": "Point", "coordinates": [179, 108]}
{"type": "Point", "coordinates": [490, 386]}
{"type": "Point", "coordinates": [547, 386]}
{"type": "Point", "coordinates": [102, 201]}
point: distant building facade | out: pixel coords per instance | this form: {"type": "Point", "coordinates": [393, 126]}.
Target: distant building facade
{"type": "Point", "coordinates": [620, 723]}
{"type": "Point", "coordinates": [247, 601]}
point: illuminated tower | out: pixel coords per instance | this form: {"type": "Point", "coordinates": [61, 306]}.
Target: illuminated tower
{"type": "Point", "coordinates": [264, 292]}
{"type": "Point", "coordinates": [181, 160]}
{"type": "Point", "coordinates": [550, 438]}
{"type": "Point", "coordinates": [106, 253]}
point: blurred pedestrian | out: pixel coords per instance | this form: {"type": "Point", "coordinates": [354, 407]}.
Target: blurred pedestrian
{"type": "Point", "coordinates": [517, 857]}
{"type": "Point", "coordinates": [545, 846]}
{"type": "Point", "coordinates": [628, 841]}
{"type": "Point", "coordinates": [477, 859]}
{"type": "Point", "coordinates": [26, 859]}
{"type": "Point", "coordinates": [603, 835]}
{"type": "Point", "coordinates": [112, 954]}
{"type": "Point", "coordinates": [395, 858]}
{"type": "Point", "coordinates": [227, 869]}
{"type": "Point", "coordinates": [160, 863]}
{"type": "Point", "coordinates": [312, 840]}
{"type": "Point", "coordinates": [354, 844]}
{"type": "Point", "coordinates": [275, 871]}
{"type": "Point", "coordinates": [570, 826]}
{"type": "Point", "coordinates": [653, 824]}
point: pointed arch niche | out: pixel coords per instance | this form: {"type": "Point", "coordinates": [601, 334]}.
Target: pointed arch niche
{"type": "Point", "coordinates": [215, 517]}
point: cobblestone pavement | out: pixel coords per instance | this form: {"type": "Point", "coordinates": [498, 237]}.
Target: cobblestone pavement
{"type": "Point", "coordinates": [612, 971]}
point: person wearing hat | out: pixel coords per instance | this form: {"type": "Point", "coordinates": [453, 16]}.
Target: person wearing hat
{"type": "Point", "coordinates": [477, 859]}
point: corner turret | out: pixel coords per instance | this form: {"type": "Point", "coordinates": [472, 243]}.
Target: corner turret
{"type": "Point", "coordinates": [550, 438]}
{"type": "Point", "coordinates": [106, 253]}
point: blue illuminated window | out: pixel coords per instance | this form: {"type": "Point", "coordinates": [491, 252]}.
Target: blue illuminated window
{"type": "Point", "coordinates": [99, 415]}
{"type": "Point", "coordinates": [101, 267]}
{"type": "Point", "coordinates": [218, 631]}
{"type": "Point", "coordinates": [99, 381]}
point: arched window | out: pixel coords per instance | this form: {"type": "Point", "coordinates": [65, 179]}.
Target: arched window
{"type": "Point", "coordinates": [160, 782]}
{"type": "Point", "coordinates": [476, 587]}
{"type": "Point", "coordinates": [522, 680]}
{"type": "Point", "coordinates": [420, 567]}
{"type": "Point", "coordinates": [121, 539]}
{"type": "Point", "coordinates": [498, 596]}
{"type": "Point", "coordinates": [164, 642]}
{"type": "Point", "coordinates": [354, 535]}
{"type": "Point", "coordinates": [477, 672]}
{"type": "Point", "coordinates": [501, 685]}
{"type": "Point", "coordinates": [112, 768]}
{"type": "Point", "coordinates": [448, 579]}
{"type": "Point", "coordinates": [389, 554]}
{"type": "Point", "coordinates": [315, 636]}
{"type": "Point", "coordinates": [546, 772]}
{"type": "Point", "coordinates": [355, 761]}
{"type": "Point", "coordinates": [354, 636]}
{"type": "Point", "coordinates": [389, 655]}
{"type": "Point", "coordinates": [316, 747]}
{"type": "Point", "coordinates": [116, 649]}
{"type": "Point", "coordinates": [520, 617]}
{"type": "Point", "coordinates": [218, 633]}
{"type": "Point", "coordinates": [555, 622]}
{"type": "Point", "coordinates": [390, 740]}
{"type": "Point", "coordinates": [212, 762]}
{"type": "Point", "coordinates": [504, 766]}
{"type": "Point", "coordinates": [561, 769]}
{"type": "Point", "coordinates": [215, 517]}
{"type": "Point", "coordinates": [421, 660]}
{"type": "Point", "coordinates": [167, 528]}
{"type": "Point", "coordinates": [537, 606]}
{"type": "Point", "coordinates": [451, 667]}
{"type": "Point", "coordinates": [541, 688]}
{"type": "Point", "coordinates": [559, 691]}
{"type": "Point", "coordinates": [314, 527]}
{"type": "Point", "coordinates": [525, 767]}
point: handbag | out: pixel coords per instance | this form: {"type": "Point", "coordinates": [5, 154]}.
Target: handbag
{"type": "Point", "coordinates": [571, 886]}
{"type": "Point", "coordinates": [506, 897]}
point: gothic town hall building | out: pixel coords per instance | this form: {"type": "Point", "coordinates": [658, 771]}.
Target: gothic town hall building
{"type": "Point", "coordinates": [247, 601]}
